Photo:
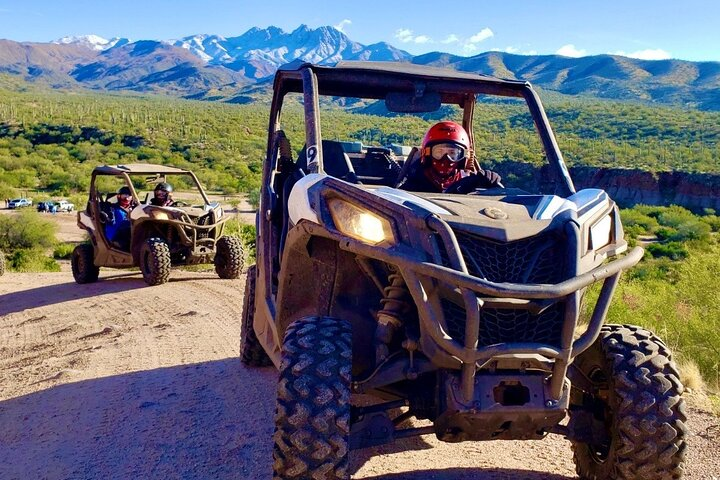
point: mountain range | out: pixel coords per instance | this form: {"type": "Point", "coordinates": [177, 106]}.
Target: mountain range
{"type": "Point", "coordinates": [213, 67]}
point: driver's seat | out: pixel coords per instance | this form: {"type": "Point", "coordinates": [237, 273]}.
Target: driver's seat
{"type": "Point", "coordinates": [335, 161]}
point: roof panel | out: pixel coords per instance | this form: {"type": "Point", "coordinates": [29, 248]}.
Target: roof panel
{"type": "Point", "coordinates": [138, 168]}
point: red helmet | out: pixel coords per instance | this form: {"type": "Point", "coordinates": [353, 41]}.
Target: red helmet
{"type": "Point", "coordinates": [445, 151]}
{"type": "Point", "coordinates": [445, 132]}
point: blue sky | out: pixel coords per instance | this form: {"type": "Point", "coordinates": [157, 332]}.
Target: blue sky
{"type": "Point", "coordinates": [686, 29]}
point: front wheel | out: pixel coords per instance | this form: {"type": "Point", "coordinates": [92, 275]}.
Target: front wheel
{"type": "Point", "coordinates": [638, 411]}
{"type": "Point", "coordinates": [155, 261]}
{"type": "Point", "coordinates": [83, 265]}
{"type": "Point", "coordinates": [229, 260]}
{"type": "Point", "coordinates": [312, 421]}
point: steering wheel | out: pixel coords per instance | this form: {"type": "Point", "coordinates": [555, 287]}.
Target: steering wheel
{"type": "Point", "coordinates": [179, 203]}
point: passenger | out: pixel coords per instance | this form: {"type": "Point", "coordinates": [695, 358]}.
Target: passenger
{"type": "Point", "coordinates": [117, 229]}
{"type": "Point", "coordinates": [445, 165]}
{"type": "Point", "coordinates": [162, 195]}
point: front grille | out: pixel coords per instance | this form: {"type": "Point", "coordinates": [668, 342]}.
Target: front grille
{"type": "Point", "coordinates": [539, 259]}
{"type": "Point", "coordinates": [507, 325]}
{"type": "Point", "coordinates": [206, 219]}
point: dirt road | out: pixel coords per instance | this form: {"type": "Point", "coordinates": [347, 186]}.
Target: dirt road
{"type": "Point", "coordinates": [119, 380]}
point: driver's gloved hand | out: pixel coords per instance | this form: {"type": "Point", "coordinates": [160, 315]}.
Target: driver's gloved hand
{"type": "Point", "coordinates": [481, 179]}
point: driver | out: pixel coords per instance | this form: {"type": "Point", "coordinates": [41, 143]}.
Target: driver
{"type": "Point", "coordinates": [445, 165]}
{"type": "Point", "coordinates": [162, 195]}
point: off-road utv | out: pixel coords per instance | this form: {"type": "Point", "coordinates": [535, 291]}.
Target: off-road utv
{"type": "Point", "coordinates": [188, 231]}
{"type": "Point", "coordinates": [464, 310]}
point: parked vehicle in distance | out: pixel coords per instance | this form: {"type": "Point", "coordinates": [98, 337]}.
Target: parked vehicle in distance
{"type": "Point", "coordinates": [45, 206]}
{"type": "Point", "coordinates": [64, 206]}
{"type": "Point", "coordinates": [20, 202]}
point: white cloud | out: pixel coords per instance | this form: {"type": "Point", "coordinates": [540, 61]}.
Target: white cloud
{"type": "Point", "coordinates": [569, 50]}
{"type": "Point", "coordinates": [343, 23]}
{"type": "Point", "coordinates": [648, 54]}
{"type": "Point", "coordinates": [404, 35]}
{"type": "Point", "coordinates": [483, 34]}
{"type": "Point", "coordinates": [469, 48]}
{"type": "Point", "coordinates": [452, 38]}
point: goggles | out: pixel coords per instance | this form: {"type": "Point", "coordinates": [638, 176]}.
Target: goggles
{"type": "Point", "coordinates": [453, 151]}
{"type": "Point", "coordinates": [124, 196]}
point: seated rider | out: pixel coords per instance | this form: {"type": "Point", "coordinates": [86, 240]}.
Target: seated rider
{"type": "Point", "coordinates": [445, 165]}
{"type": "Point", "coordinates": [162, 195]}
{"type": "Point", "coordinates": [117, 229]}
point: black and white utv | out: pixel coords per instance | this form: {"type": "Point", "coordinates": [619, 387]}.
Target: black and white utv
{"type": "Point", "coordinates": [463, 310]}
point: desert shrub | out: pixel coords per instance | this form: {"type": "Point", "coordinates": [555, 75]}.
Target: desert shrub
{"type": "Point", "coordinates": [253, 197]}
{"type": "Point", "coordinates": [31, 260]}
{"type": "Point", "coordinates": [26, 230]}
{"type": "Point", "coordinates": [671, 250]}
{"type": "Point", "coordinates": [665, 233]}
{"type": "Point", "coordinates": [712, 220]}
{"type": "Point", "coordinates": [673, 216]}
{"type": "Point", "coordinates": [638, 223]}
{"type": "Point", "coordinates": [63, 250]}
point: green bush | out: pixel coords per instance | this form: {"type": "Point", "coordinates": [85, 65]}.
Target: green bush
{"type": "Point", "coordinates": [637, 222]}
{"type": "Point", "coordinates": [26, 230]}
{"type": "Point", "coordinates": [671, 250]}
{"type": "Point", "coordinates": [32, 260]}
{"type": "Point", "coordinates": [63, 251]}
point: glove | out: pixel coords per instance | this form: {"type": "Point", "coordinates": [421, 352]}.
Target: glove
{"type": "Point", "coordinates": [481, 179]}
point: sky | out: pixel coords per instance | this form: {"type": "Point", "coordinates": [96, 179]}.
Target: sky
{"type": "Point", "coordinates": [658, 29]}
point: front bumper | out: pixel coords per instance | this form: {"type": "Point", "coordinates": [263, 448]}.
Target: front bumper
{"type": "Point", "coordinates": [422, 277]}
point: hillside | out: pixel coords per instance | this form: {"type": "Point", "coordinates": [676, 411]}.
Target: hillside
{"type": "Point", "coordinates": [213, 67]}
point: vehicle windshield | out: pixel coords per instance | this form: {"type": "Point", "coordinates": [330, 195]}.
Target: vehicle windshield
{"type": "Point", "coordinates": [504, 136]}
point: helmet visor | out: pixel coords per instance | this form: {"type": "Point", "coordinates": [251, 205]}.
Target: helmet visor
{"type": "Point", "coordinates": [453, 151]}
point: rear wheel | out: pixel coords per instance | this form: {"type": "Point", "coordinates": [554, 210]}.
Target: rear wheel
{"type": "Point", "coordinates": [312, 422]}
{"type": "Point", "coordinates": [155, 261]}
{"type": "Point", "coordinates": [251, 352]}
{"type": "Point", "coordinates": [636, 391]}
{"type": "Point", "coordinates": [229, 260]}
{"type": "Point", "coordinates": [83, 266]}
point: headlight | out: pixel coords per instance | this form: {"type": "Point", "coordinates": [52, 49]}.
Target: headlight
{"type": "Point", "coordinates": [361, 224]}
{"type": "Point", "coordinates": [600, 233]}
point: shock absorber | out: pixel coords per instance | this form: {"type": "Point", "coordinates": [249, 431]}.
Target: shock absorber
{"type": "Point", "coordinates": [394, 305]}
